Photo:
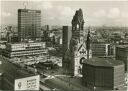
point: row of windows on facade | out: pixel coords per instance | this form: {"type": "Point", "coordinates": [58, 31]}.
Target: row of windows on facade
{"type": "Point", "coordinates": [23, 17]}
{"type": "Point", "coordinates": [29, 18]}
{"type": "Point", "coordinates": [24, 32]}
{"type": "Point", "coordinates": [29, 22]}
{"type": "Point", "coordinates": [30, 27]}
{"type": "Point", "coordinates": [98, 50]}
{"type": "Point", "coordinates": [26, 45]}
{"type": "Point", "coordinates": [26, 48]}
{"type": "Point", "coordinates": [32, 15]}
{"type": "Point", "coordinates": [99, 47]}
{"type": "Point", "coordinates": [27, 31]}
{"type": "Point", "coordinates": [25, 53]}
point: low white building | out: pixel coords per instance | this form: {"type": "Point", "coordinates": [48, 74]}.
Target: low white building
{"type": "Point", "coordinates": [24, 49]}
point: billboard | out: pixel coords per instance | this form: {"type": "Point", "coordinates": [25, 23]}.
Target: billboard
{"type": "Point", "coordinates": [28, 83]}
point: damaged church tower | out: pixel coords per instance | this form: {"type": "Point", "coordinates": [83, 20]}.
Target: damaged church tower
{"type": "Point", "coordinates": [79, 48]}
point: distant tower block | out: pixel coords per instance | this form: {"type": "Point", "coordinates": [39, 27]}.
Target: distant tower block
{"type": "Point", "coordinates": [77, 51]}
{"type": "Point", "coordinates": [66, 37]}
{"type": "Point", "coordinates": [66, 40]}
{"type": "Point", "coordinates": [29, 24]}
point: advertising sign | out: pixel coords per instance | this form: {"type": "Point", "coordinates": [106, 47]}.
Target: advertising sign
{"type": "Point", "coordinates": [28, 83]}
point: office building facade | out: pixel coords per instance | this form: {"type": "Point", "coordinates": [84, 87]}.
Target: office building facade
{"type": "Point", "coordinates": [29, 24]}
{"type": "Point", "coordinates": [100, 49]}
{"type": "Point", "coordinates": [24, 49]}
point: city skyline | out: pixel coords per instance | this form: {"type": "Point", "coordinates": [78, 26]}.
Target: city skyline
{"type": "Point", "coordinates": [96, 13]}
{"type": "Point", "coordinates": [86, 49]}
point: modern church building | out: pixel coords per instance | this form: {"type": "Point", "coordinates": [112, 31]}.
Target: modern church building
{"type": "Point", "coordinates": [105, 73]}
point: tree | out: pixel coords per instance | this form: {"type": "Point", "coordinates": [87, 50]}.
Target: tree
{"type": "Point", "coordinates": [53, 40]}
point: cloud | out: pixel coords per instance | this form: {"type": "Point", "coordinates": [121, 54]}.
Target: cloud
{"type": "Point", "coordinates": [46, 5]}
{"type": "Point", "coordinates": [6, 14]}
{"type": "Point", "coordinates": [114, 13]}
{"type": "Point", "coordinates": [59, 15]}
{"type": "Point", "coordinates": [100, 13]}
{"type": "Point", "coordinates": [124, 14]}
{"type": "Point", "coordinates": [111, 16]}
{"type": "Point", "coordinates": [51, 18]}
{"type": "Point", "coordinates": [67, 11]}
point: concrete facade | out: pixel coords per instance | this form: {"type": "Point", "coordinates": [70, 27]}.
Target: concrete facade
{"type": "Point", "coordinates": [100, 49]}
{"type": "Point", "coordinates": [29, 24]}
{"type": "Point", "coordinates": [24, 49]}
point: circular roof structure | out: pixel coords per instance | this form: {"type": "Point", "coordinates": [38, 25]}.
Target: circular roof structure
{"type": "Point", "coordinates": [105, 62]}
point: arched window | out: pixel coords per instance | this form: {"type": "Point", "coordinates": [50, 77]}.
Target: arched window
{"type": "Point", "coordinates": [82, 60]}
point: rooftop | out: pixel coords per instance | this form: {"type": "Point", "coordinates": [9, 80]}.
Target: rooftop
{"type": "Point", "coordinates": [106, 62]}
{"type": "Point", "coordinates": [25, 10]}
{"type": "Point", "coordinates": [101, 43]}
{"type": "Point", "coordinates": [123, 46]}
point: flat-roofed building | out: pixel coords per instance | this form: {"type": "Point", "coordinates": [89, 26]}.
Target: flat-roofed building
{"type": "Point", "coordinates": [12, 71]}
{"type": "Point", "coordinates": [122, 54]}
{"type": "Point", "coordinates": [100, 49]}
{"type": "Point", "coordinates": [29, 24]}
{"type": "Point", "coordinates": [24, 49]}
{"type": "Point", "coordinates": [104, 73]}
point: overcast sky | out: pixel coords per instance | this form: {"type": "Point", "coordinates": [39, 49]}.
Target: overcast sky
{"type": "Point", "coordinates": [61, 13]}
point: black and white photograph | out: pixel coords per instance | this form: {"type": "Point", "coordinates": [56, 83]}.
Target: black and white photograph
{"type": "Point", "coordinates": [63, 45]}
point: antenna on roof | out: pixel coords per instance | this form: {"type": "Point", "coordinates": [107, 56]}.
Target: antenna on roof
{"type": "Point", "coordinates": [25, 4]}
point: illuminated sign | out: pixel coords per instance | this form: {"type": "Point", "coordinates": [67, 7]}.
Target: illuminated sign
{"type": "Point", "coordinates": [28, 83]}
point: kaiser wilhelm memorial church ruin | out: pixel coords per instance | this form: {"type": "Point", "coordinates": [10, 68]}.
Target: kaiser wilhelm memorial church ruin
{"type": "Point", "coordinates": [78, 49]}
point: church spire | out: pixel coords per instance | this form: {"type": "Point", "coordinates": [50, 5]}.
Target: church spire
{"type": "Point", "coordinates": [88, 41]}
{"type": "Point", "coordinates": [88, 44]}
